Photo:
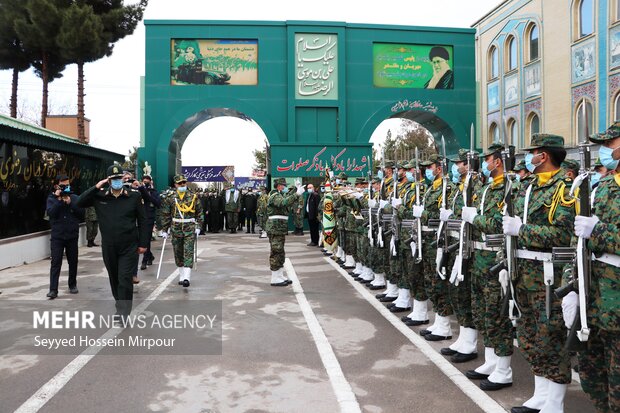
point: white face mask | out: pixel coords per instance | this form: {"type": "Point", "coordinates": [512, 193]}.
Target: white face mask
{"type": "Point", "coordinates": [310, 190]}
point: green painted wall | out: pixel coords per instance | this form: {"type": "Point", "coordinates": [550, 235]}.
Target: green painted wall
{"type": "Point", "coordinates": [303, 131]}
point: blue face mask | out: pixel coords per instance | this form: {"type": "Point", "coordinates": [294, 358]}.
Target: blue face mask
{"type": "Point", "coordinates": [518, 178]}
{"type": "Point", "coordinates": [67, 188]}
{"type": "Point", "coordinates": [182, 188]}
{"type": "Point", "coordinates": [285, 190]}
{"type": "Point", "coordinates": [606, 156]}
{"type": "Point", "coordinates": [409, 176]}
{"type": "Point", "coordinates": [429, 175]}
{"type": "Point", "coordinates": [528, 162]}
{"type": "Point", "coordinates": [595, 178]}
{"type": "Point", "coordinates": [380, 174]}
{"type": "Point", "coordinates": [116, 184]}
{"type": "Point", "coordinates": [456, 175]}
{"type": "Point", "coordinates": [337, 181]}
{"type": "Point", "coordinates": [485, 169]}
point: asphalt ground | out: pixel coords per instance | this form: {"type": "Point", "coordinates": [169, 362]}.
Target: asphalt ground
{"type": "Point", "coordinates": [324, 344]}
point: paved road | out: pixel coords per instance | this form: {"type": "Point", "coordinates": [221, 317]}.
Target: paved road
{"type": "Point", "coordinates": [322, 345]}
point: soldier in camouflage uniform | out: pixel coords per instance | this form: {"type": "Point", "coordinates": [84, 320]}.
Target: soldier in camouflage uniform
{"type": "Point", "coordinates": [232, 206]}
{"type": "Point", "coordinates": [261, 211]}
{"type": "Point", "coordinates": [486, 291]}
{"type": "Point", "coordinates": [436, 288]}
{"type": "Point", "coordinates": [571, 168]}
{"type": "Point", "coordinates": [278, 206]}
{"type": "Point", "coordinates": [362, 252]}
{"type": "Point", "coordinates": [182, 219]}
{"type": "Point", "coordinates": [92, 226]}
{"type": "Point", "coordinates": [374, 250]}
{"type": "Point", "coordinates": [465, 347]}
{"type": "Point", "coordinates": [544, 216]}
{"type": "Point", "coordinates": [297, 209]}
{"type": "Point", "coordinates": [599, 364]}
{"type": "Point", "coordinates": [413, 277]}
{"type": "Point", "coordinates": [383, 252]}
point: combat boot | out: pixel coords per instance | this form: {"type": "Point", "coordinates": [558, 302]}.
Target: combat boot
{"type": "Point", "coordinates": [501, 376]}
{"type": "Point", "coordinates": [538, 400]}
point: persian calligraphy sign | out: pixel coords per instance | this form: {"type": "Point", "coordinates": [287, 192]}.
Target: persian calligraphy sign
{"type": "Point", "coordinates": [316, 66]}
{"type": "Point", "coordinates": [311, 160]}
{"type": "Point", "coordinates": [209, 173]}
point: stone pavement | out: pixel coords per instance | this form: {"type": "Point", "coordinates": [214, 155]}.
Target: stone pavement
{"type": "Point", "coordinates": [276, 357]}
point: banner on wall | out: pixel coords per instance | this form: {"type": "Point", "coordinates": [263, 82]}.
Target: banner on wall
{"type": "Point", "coordinates": [310, 160]}
{"type": "Point", "coordinates": [209, 173]}
{"type": "Point", "coordinates": [316, 66]}
{"type": "Point", "coordinates": [413, 66]}
{"type": "Point", "coordinates": [213, 62]}
{"type": "Point", "coordinates": [248, 182]}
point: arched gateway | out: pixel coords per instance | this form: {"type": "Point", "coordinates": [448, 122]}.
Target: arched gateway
{"type": "Point", "coordinates": [317, 89]}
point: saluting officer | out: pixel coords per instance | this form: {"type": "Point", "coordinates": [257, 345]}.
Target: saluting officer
{"type": "Point", "coordinates": [124, 232]}
{"type": "Point", "coordinates": [182, 218]}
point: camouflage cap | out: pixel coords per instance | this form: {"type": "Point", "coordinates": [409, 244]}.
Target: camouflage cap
{"type": "Point", "coordinates": [376, 180]}
{"type": "Point", "coordinates": [279, 181]}
{"type": "Point", "coordinates": [493, 148]}
{"type": "Point", "coordinates": [360, 180]}
{"type": "Point", "coordinates": [179, 178]}
{"type": "Point", "coordinates": [389, 164]}
{"type": "Point", "coordinates": [115, 171]}
{"type": "Point", "coordinates": [409, 164]}
{"type": "Point", "coordinates": [597, 163]}
{"type": "Point", "coordinates": [520, 166]}
{"type": "Point", "coordinates": [612, 132]}
{"type": "Point", "coordinates": [342, 175]}
{"type": "Point", "coordinates": [434, 158]}
{"type": "Point", "coordinates": [461, 156]}
{"type": "Point", "coordinates": [571, 164]}
{"type": "Point", "coordinates": [545, 140]}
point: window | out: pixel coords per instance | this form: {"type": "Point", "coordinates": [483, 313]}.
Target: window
{"type": "Point", "coordinates": [585, 18]}
{"type": "Point", "coordinates": [511, 54]}
{"type": "Point", "coordinates": [493, 133]}
{"type": "Point", "coordinates": [533, 125]}
{"type": "Point", "coordinates": [616, 108]}
{"type": "Point", "coordinates": [583, 121]}
{"type": "Point", "coordinates": [513, 138]}
{"type": "Point", "coordinates": [533, 42]}
{"type": "Point", "coordinates": [493, 63]}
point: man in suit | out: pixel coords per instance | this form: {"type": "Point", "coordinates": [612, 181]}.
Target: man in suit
{"type": "Point", "coordinates": [312, 214]}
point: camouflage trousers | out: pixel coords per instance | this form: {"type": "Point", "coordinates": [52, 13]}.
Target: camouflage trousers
{"type": "Point", "coordinates": [413, 277]}
{"type": "Point", "coordinates": [276, 255]}
{"type": "Point", "coordinates": [599, 369]}
{"type": "Point", "coordinates": [183, 248]}
{"type": "Point", "coordinates": [232, 220]}
{"type": "Point", "coordinates": [92, 228]}
{"type": "Point", "coordinates": [436, 288]}
{"type": "Point", "coordinates": [380, 257]}
{"type": "Point", "coordinates": [486, 303]}
{"type": "Point", "coordinates": [541, 340]}
{"type": "Point", "coordinates": [298, 220]}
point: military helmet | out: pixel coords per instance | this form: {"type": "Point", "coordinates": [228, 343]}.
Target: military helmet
{"type": "Point", "coordinates": [115, 171]}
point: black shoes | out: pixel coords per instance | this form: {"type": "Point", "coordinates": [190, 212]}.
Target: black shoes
{"type": "Point", "coordinates": [387, 299]}
{"type": "Point", "coordinates": [463, 358]}
{"type": "Point", "coordinates": [490, 386]}
{"type": "Point", "coordinates": [185, 283]}
{"type": "Point", "coordinates": [52, 294]}
{"type": "Point", "coordinates": [433, 337]}
{"type": "Point", "coordinates": [397, 309]}
{"type": "Point", "coordinates": [425, 332]}
{"type": "Point", "coordinates": [180, 282]}
{"type": "Point", "coordinates": [447, 351]}
{"type": "Point", "coordinates": [377, 287]}
{"type": "Point", "coordinates": [415, 323]}
{"type": "Point", "coordinates": [280, 284]}
{"type": "Point", "coordinates": [380, 296]}
{"type": "Point", "coordinates": [143, 266]}
{"type": "Point", "coordinates": [523, 409]}
{"type": "Point", "coordinates": [474, 375]}
{"type": "Point", "coordinates": [90, 244]}
{"type": "Point", "coordinates": [149, 262]}
{"type": "Point", "coordinates": [312, 244]}
{"type": "Point", "coordinates": [73, 290]}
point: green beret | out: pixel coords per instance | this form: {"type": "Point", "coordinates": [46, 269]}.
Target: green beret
{"type": "Point", "coordinates": [611, 133]}
{"type": "Point", "coordinates": [115, 171]}
{"type": "Point", "coordinates": [545, 140]}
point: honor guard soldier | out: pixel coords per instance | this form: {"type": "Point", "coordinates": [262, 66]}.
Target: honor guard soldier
{"type": "Point", "coordinates": [486, 290]}
{"type": "Point", "coordinates": [543, 218]}
{"type": "Point", "coordinates": [261, 211]}
{"type": "Point", "coordinates": [232, 206]}
{"type": "Point", "coordinates": [182, 219]}
{"type": "Point", "coordinates": [124, 232]}
{"type": "Point", "coordinates": [599, 365]}
{"type": "Point", "coordinates": [278, 205]}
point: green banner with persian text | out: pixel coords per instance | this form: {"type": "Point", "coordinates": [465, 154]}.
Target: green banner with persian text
{"type": "Point", "coordinates": [316, 66]}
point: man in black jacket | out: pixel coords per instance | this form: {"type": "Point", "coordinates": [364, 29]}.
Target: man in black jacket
{"type": "Point", "coordinates": [312, 214]}
{"type": "Point", "coordinates": [65, 217]}
{"type": "Point", "coordinates": [152, 201]}
{"type": "Point", "coordinates": [249, 207]}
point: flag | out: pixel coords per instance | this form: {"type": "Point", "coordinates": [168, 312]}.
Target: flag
{"type": "Point", "coordinates": [330, 240]}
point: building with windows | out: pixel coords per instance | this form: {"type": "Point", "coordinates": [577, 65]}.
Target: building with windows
{"type": "Point", "coordinates": [549, 66]}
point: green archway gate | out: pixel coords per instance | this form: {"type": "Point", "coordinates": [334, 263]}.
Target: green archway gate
{"type": "Point", "coordinates": [318, 90]}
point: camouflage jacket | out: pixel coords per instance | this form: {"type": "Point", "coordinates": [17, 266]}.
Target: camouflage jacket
{"type": "Point", "coordinates": [549, 223]}
{"type": "Point", "coordinates": [404, 211]}
{"type": "Point", "coordinates": [278, 205]}
{"type": "Point", "coordinates": [90, 214]}
{"type": "Point", "coordinates": [177, 207]}
{"type": "Point", "coordinates": [432, 203]}
{"type": "Point", "coordinates": [261, 209]}
{"type": "Point", "coordinates": [456, 201]}
{"type": "Point", "coordinates": [489, 218]}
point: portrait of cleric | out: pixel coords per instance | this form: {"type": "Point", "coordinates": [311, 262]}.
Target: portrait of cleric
{"type": "Point", "coordinates": [443, 77]}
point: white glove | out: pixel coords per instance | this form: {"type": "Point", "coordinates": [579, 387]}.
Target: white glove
{"type": "Point", "coordinates": [444, 214]}
{"type": "Point", "coordinates": [396, 202]}
{"type": "Point", "coordinates": [585, 225]}
{"type": "Point", "coordinates": [331, 174]}
{"type": "Point", "coordinates": [512, 225]}
{"type": "Point", "coordinates": [469, 214]}
{"type": "Point", "coordinates": [197, 231]}
{"type": "Point", "coordinates": [569, 308]}
{"type": "Point", "coordinates": [370, 239]}
{"type": "Point", "coordinates": [358, 195]}
{"type": "Point", "coordinates": [382, 204]}
{"type": "Point", "coordinates": [372, 203]}
{"type": "Point", "coordinates": [456, 269]}
{"type": "Point", "coordinates": [393, 247]}
{"type": "Point", "coordinates": [503, 280]}
{"type": "Point", "coordinates": [164, 234]}
{"type": "Point", "coordinates": [417, 211]}
{"type": "Point", "coordinates": [438, 260]}
{"type": "Point", "coordinates": [414, 249]}
{"type": "Point", "coordinates": [300, 189]}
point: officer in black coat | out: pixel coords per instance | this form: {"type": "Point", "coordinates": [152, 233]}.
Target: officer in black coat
{"type": "Point", "coordinates": [250, 203]}
{"type": "Point", "coordinates": [124, 232]}
{"type": "Point", "coordinates": [65, 216]}
{"type": "Point", "coordinates": [152, 201]}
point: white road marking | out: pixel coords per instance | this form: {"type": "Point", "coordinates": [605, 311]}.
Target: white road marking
{"type": "Point", "coordinates": [478, 396]}
{"type": "Point", "coordinates": [56, 383]}
{"type": "Point", "coordinates": [344, 393]}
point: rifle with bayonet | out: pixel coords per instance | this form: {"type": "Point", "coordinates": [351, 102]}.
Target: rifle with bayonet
{"type": "Point", "coordinates": [581, 256]}
{"type": "Point", "coordinates": [418, 202]}
{"type": "Point", "coordinates": [395, 242]}
{"type": "Point", "coordinates": [371, 241]}
{"type": "Point", "coordinates": [442, 232]}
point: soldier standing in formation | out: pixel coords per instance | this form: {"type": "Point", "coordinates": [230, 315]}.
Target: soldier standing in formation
{"type": "Point", "coordinates": [182, 219]}
{"type": "Point", "coordinates": [261, 211]}
{"type": "Point", "coordinates": [297, 209]}
{"type": "Point", "coordinates": [124, 233]}
{"type": "Point", "coordinates": [92, 227]}
{"type": "Point", "coordinates": [232, 206]}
